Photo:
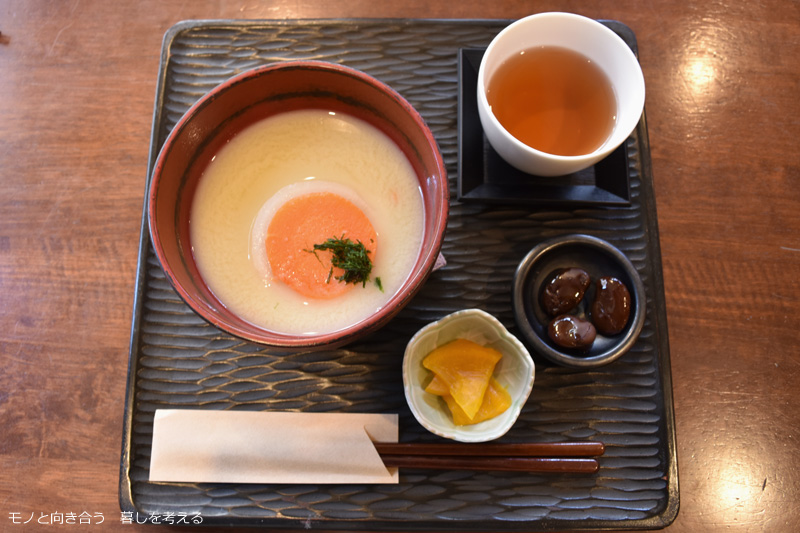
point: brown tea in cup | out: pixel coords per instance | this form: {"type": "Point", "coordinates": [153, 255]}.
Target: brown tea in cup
{"type": "Point", "coordinates": [554, 100]}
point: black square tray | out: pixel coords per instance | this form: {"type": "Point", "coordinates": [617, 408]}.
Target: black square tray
{"type": "Point", "coordinates": [177, 360]}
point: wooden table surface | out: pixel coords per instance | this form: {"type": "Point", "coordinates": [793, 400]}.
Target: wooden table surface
{"type": "Point", "coordinates": [77, 86]}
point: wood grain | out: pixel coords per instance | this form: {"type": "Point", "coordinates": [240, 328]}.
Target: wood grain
{"type": "Point", "coordinates": [722, 111]}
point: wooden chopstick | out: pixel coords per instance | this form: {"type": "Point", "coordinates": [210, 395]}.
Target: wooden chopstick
{"type": "Point", "coordinates": [563, 457]}
{"type": "Point", "coordinates": [578, 465]}
{"type": "Point", "coordinates": [534, 449]}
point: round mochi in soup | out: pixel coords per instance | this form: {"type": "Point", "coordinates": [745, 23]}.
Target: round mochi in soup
{"type": "Point", "coordinates": [292, 231]}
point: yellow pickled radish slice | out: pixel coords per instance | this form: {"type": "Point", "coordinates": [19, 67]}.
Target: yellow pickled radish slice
{"type": "Point", "coordinates": [465, 367]}
{"type": "Point", "coordinates": [438, 387]}
{"type": "Point", "coordinates": [495, 401]}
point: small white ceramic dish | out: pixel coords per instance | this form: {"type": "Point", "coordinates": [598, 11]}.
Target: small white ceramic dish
{"type": "Point", "coordinates": [515, 371]}
{"type": "Point", "coordinates": [587, 37]}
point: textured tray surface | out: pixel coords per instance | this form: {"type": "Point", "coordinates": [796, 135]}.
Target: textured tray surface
{"type": "Point", "coordinates": [180, 361]}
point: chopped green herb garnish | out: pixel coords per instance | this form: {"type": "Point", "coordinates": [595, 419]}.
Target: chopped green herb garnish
{"type": "Point", "coordinates": [352, 257]}
{"type": "Point", "coordinates": [379, 284]}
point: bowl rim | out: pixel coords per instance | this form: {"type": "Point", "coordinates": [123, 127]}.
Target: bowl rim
{"type": "Point", "coordinates": [519, 300]}
{"type": "Point", "coordinates": [468, 433]}
{"type": "Point", "coordinates": [396, 302]}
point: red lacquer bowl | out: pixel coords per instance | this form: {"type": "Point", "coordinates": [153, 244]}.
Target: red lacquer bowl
{"type": "Point", "coordinates": [253, 95]}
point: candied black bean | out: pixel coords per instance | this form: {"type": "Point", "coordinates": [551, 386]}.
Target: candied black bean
{"type": "Point", "coordinates": [611, 307]}
{"type": "Point", "coordinates": [570, 331]}
{"type": "Point", "coordinates": [564, 291]}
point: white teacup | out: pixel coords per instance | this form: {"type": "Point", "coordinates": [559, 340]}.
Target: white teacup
{"type": "Point", "coordinates": [587, 37]}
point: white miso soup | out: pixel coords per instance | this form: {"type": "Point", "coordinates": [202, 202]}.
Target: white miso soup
{"type": "Point", "coordinates": [280, 158]}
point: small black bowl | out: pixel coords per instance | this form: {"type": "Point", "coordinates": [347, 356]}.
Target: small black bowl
{"type": "Point", "coordinates": [598, 258]}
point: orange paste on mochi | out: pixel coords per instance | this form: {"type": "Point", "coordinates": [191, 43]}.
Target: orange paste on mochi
{"type": "Point", "coordinates": [308, 220]}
